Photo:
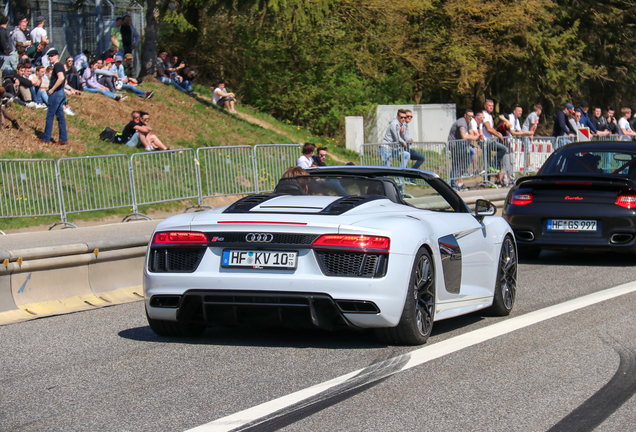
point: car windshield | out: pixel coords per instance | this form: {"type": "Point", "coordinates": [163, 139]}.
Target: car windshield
{"type": "Point", "coordinates": [592, 162]}
{"type": "Point", "coordinates": [416, 192]}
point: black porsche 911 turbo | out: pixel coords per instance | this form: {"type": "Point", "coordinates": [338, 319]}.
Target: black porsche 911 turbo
{"type": "Point", "coordinates": [583, 198]}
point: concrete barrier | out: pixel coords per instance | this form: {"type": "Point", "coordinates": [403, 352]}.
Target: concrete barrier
{"type": "Point", "coordinates": [47, 281]}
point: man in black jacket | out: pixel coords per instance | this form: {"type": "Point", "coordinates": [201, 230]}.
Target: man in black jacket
{"type": "Point", "coordinates": [561, 124]}
{"type": "Point", "coordinates": [5, 41]}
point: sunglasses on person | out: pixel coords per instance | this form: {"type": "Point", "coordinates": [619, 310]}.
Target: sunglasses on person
{"type": "Point", "coordinates": [322, 155]}
{"type": "Point", "coordinates": [409, 116]}
{"type": "Point", "coordinates": [402, 117]}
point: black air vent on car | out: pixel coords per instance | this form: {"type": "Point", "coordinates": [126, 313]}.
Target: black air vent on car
{"type": "Point", "coordinates": [175, 260]}
{"type": "Point", "coordinates": [347, 203]}
{"type": "Point", "coordinates": [248, 203]}
{"type": "Point", "coordinates": [353, 264]}
{"type": "Point", "coordinates": [278, 239]}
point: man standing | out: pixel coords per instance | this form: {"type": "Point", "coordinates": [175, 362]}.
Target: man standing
{"type": "Point", "coordinates": [561, 125]}
{"type": "Point", "coordinates": [395, 134]}
{"type": "Point", "coordinates": [575, 121]}
{"type": "Point", "coordinates": [599, 122]}
{"type": "Point", "coordinates": [115, 37]}
{"type": "Point", "coordinates": [415, 156]}
{"type": "Point", "coordinates": [491, 134]}
{"type": "Point", "coordinates": [612, 125]}
{"type": "Point", "coordinates": [585, 119]}
{"type": "Point", "coordinates": [305, 161]}
{"type": "Point", "coordinates": [18, 33]}
{"type": "Point", "coordinates": [6, 46]}
{"type": "Point", "coordinates": [460, 149]}
{"type": "Point", "coordinates": [532, 121]}
{"type": "Point", "coordinates": [129, 36]}
{"type": "Point", "coordinates": [38, 34]}
{"type": "Point", "coordinates": [624, 130]}
{"type": "Point", "coordinates": [56, 101]}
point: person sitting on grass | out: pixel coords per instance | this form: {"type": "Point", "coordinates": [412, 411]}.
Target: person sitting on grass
{"type": "Point", "coordinates": [130, 133]}
{"type": "Point", "coordinates": [90, 84]}
{"type": "Point", "coordinates": [223, 98]}
{"type": "Point", "coordinates": [123, 82]}
{"type": "Point", "coordinates": [4, 114]}
{"type": "Point", "coordinates": [149, 140]}
{"type": "Point", "coordinates": [182, 80]}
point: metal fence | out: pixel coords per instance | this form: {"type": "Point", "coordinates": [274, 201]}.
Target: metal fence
{"type": "Point", "coordinates": [29, 188]}
{"type": "Point", "coordinates": [271, 161]}
{"type": "Point", "coordinates": [94, 183]}
{"type": "Point", "coordinates": [165, 176]}
{"type": "Point", "coordinates": [227, 171]}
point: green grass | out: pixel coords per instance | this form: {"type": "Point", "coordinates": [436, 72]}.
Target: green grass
{"type": "Point", "coordinates": [174, 115]}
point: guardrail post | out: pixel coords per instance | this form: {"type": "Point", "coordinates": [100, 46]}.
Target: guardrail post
{"type": "Point", "coordinates": [64, 222]}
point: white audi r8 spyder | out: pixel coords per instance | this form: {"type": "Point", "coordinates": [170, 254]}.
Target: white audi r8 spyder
{"type": "Point", "coordinates": [392, 249]}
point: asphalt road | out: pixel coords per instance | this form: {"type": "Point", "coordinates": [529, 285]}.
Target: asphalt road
{"type": "Point", "coordinates": [105, 370]}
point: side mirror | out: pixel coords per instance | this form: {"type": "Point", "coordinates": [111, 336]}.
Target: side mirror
{"type": "Point", "coordinates": [484, 208]}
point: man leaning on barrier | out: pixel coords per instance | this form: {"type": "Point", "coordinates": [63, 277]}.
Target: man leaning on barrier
{"type": "Point", "coordinates": [562, 126]}
{"type": "Point", "coordinates": [458, 138]}
{"type": "Point", "coordinates": [414, 156]}
{"type": "Point", "coordinates": [491, 134]}
{"type": "Point", "coordinates": [395, 134]}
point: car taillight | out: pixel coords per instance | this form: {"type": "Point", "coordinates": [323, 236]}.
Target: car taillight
{"type": "Point", "coordinates": [355, 243]}
{"type": "Point", "coordinates": [179, 238]}
{"type": "Point", "coordinates": [626, 201]}
{"type": "Point", "coordinates": [518, 198]}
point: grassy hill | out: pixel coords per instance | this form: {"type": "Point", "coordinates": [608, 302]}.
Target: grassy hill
{"type": "Point", "coordinates": [180, 121]}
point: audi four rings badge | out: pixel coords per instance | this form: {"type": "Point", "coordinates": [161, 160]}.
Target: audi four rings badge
{"type": "Point", "coordinates": [259, 237]}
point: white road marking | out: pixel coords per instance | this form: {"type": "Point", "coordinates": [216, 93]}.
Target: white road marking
{"type": "Point", "coordinates": [419, 356]}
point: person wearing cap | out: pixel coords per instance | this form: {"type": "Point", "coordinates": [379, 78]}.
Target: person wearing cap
{"type": "Point", "coordinates": [122, 81]}
{"type": "Point", "coordinates": [120, 70]}
{"type": "Point", "coordinates": [129, 70]}
{"type": "Point", "coordinates": [104, 76]}
{"type": "Point", "coordinates": [585, 117]}
{"type": "Point", "coordinates": [561, 125]}
{"type": "Point", "coordinates": [56, 101]}
{"type": "Point", "coordinates": [38, 34]}
{"type": "Point", "coordinates": [115, 36]}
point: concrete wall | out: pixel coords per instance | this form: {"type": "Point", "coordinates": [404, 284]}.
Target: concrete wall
{"type": "Point", "coordinates": [431, 122]}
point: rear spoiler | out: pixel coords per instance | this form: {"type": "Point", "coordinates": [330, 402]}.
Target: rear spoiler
{"type": "Point", "coordinates": [604, 180]}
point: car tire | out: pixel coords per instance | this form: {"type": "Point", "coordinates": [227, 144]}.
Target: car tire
{"type": "Point", "coordinates": [174, 328]}
{"type": "Point", "coordinates": [416, 323]}
{"type": "Point", "coordinates": [531, 253]}
{"type": "Point", "coordinates": [506, 284]}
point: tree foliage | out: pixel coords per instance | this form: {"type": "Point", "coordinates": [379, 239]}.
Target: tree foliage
{"type": "Point", "coordinates": [315, 61]}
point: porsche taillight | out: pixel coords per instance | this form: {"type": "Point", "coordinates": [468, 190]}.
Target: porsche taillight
{"type": "Point", "coordinates": [352, 243]}
{"type": "Point", "coordinates": [626, 201]}
{"type": "Point", "coordinates": [180, 238]}
{"type": "Point", "coordinates": [519, 198]}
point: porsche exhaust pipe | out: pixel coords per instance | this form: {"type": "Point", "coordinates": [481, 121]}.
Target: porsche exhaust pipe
{"type": "Point", "coordinates": [525, 235]}
{"type": "Point", "coordinates": [621, 238]}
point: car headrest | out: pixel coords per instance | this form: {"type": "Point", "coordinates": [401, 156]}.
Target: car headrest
{"type": "Point", "coordinates": [289, 187]}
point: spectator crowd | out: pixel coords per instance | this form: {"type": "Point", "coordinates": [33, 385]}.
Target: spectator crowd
{"type": "Point", "coordinates": [33, 75]}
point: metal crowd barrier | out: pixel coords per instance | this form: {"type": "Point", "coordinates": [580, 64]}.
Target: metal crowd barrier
{"type": "Point", "coordinates": [164, 176]}
{"type": "Point", "coordinates": [29, 188]}
{"type": "Point", "coordinates": [467, 159]}
{"type": "Point", "coordinates": [227, 170]}
{"type": "Point", "coordinates": [271, 161]}
{"type": "Point", "coordinates": [94, 183]}
{"type": "Point", "coordinates": [384, 154]}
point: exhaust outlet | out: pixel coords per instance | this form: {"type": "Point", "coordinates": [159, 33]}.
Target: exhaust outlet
{"type": "Point", "coordinates": [621, 238]}
{"type": "Point", "coordinates": [524, 235]}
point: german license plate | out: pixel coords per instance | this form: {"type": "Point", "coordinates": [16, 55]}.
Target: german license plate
{"type": "Point", "coordinates": [569, 225]}
{"type": "Point", "coordinates": [259, 259]}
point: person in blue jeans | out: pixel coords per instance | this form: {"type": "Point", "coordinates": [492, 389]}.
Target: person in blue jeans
{"type": "Point", "coordinates": [56, 101]}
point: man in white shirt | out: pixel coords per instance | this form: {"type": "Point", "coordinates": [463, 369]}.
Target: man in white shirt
{"type": "Point", "coordinates": [305, 161]}
{"type": "Point", "coordinates": [624, 130]}
{"type": "Point", "coordinates": [38, 33]}
{"type": "Point", "coordinates": [489, 124]}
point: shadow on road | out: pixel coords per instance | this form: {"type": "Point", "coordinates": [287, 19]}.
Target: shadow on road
{"type": "Point", "coordinates": [271, 337]}
{"type": "Point", "coordinates": [591, 258]}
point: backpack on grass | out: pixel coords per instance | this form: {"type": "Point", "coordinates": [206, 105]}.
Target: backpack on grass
{"type": "Point", "coordinates": [111, 135]}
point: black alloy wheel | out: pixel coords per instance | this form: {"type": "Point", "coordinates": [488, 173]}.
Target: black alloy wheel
{"type": "Point", "coordinates": [506, 284]}
{"type": "Point", "coordinates": [418, 315]}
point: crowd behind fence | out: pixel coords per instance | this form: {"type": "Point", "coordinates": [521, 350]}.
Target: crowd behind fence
{"type": "Point", "coordinates": [46, 187]}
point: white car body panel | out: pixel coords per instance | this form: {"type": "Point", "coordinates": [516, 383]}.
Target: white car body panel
{"type": "Point", "coordinates": [408, 228]}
